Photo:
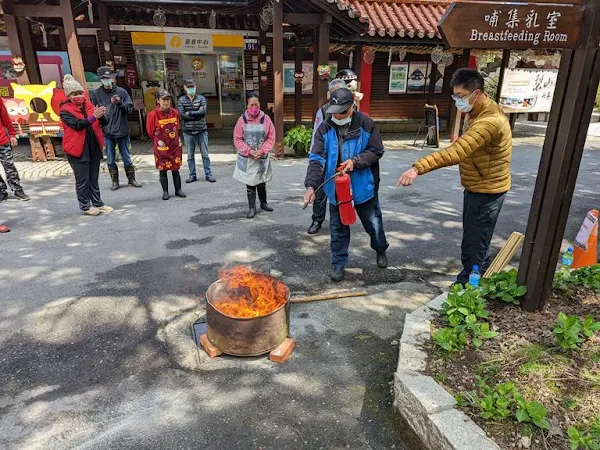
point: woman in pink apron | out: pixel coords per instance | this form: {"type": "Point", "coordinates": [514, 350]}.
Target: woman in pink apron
{"type": "Point", "coordinates": [254, 137]}
{"type": "Point", "coordinates": [162, 125]}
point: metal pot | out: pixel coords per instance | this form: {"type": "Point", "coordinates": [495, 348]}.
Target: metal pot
{"type": "Point", "coordinates": [245, 336]}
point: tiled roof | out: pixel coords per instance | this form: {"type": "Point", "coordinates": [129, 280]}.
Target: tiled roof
{"type": "Point", "coordinates": [411, 18]}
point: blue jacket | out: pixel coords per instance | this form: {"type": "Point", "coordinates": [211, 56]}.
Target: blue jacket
{"type": "Point", "coordinates": [193, 113]}
{"type": "Point", "coordinates": [362, 144]}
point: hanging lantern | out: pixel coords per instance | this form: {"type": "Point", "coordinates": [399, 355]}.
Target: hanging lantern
{"type": "Point", "coordinates": [369, 56]}
{"type": "Point", "coordinates": [447, 59]}
{"type": "Point", "coordinates": [264, 80]}
{"type": "Point", "coordinates": [291, 50]}
{"type": "Point", "coordinates": [311, 50]}
{"type": "Point", "coordinates": [390, 57]}
{"type": "Point", "coordinates": [90, 9]}
{"type": "Point", "coordinates": [437, 54]}
{"type": "Point", "coordinates": [263, 66]}
{"type": "Point", "coordinates": [324, 71]}
{"type": "Point", "coordinates": [159, 18]}
{"type": "Point", "coordinates": [298, 77]}
{"type": "Point", "coordinates": [18, 65]}
{"type": "Point", "coordinates": [402, 54]}
{"type": "Point", "coordinates": [212, 19]}
{"type": "Point", "coordinates": [351, 59]}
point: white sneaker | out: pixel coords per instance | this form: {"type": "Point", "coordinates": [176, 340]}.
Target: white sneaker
{"type": "Point", "coordinates": [105, 209]}
{"type": "Point", "coordinates": [93, 211]}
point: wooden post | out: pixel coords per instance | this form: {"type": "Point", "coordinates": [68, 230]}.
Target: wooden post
{"type": "Point", "coordinates": [316, 104]}
{"type": "Point", "coordinates": [432, 75]}
{"type": "Point", "coordinates": [570, 115]}
{"type": "Point", "coordinates": [503, 66]}
{"type": "Point", "coordinates": [16, 49]}
{"type": "Point", "coordinates": [278, 75]}
{"type": "Point", "coordinates": [105, 32]}
{"type": "Point", "coordinates": [455, 116]}
{"type": "Point", "coordinates": [298, 87]}
{"type": "Point", "coordinates": [322, 85]}
{"type": "Point", "coordinates": [72, 44]}
{"type": "Point", "coordinates": [262, 40]}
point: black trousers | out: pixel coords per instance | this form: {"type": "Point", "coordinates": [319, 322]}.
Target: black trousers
{"type": "Point", "coordinates": [319, 206]}
{"type": "Point", "coordinates": [86, 183]}
{"type": "Point", "coordinates": [480, 214]}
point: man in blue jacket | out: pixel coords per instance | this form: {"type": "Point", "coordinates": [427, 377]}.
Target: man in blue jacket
{"type": "Point", "coordinates": [118, 104]}
{"type": "Point", "coordinates": [192, 111]}
{"type": "Point", "coordinates": [350, 139]}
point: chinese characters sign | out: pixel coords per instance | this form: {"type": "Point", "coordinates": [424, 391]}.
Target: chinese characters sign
{"type": "Point", "coordinates": [528, 90]}
{"type": "Point", "coordinates": [511, 26]}
{"type": "Point", "coordinates": [188, 43]}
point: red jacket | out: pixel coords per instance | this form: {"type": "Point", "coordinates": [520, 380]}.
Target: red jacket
{"type": "Point", "coordinates": [74, 140]}
{"type": "Point", "coordinates": [6, 125]}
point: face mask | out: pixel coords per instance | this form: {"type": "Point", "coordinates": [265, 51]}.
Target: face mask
{"type": "Point", "coordinates": [190, 91]}
{"type": "Point", "coordinates": [254, 111]}
{"type": "Point", "coordinates": [107, 83]}
{"type": "Point", "coordinates": [78, 100]}
{"type": "Point", "coordinates": [462, 104]}
{"type": "Point", "coordinates": [341, 122]}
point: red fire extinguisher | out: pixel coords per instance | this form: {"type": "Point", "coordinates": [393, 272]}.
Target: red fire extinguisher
{"type": "Point", "coordinates": [343, 195]}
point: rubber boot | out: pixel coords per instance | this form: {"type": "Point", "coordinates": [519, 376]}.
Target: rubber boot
{"type": "Point", "coordinates": [177, 184]}
{"type": "Point", "coordinates": [130, 172]}
{"type": "Point", "coordinates": [262, 195]}
{"type": "Point", "coordinates": [164, 182]}
{"type": "Point", "coordinates": [251, 203]}
{"type": "Point", "coordinates": [114, 176]}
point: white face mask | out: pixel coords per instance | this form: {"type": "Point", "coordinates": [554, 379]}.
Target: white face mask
{"type": "Point", "coordinates": [341, 122]}
{"type": "Point", "coordinates": [462, 104]}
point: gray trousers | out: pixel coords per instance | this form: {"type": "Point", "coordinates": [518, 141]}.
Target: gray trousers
{"type": "Point", "coordinates": [480, 214]}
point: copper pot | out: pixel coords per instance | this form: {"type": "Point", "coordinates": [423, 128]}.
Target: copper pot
{"type": "Point", "coordinates": [246, 336]}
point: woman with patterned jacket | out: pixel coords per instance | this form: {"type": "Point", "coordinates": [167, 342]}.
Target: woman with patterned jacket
{"type": "Point", "coordinates": [162, 125]}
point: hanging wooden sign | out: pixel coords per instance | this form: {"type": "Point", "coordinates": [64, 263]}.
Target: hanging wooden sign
{"type": "Point", "coordinates": [511, 26]}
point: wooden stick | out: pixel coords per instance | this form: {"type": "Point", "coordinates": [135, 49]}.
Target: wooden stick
{"type": "Point", "coordinates": [316, 298]}
{"type": "Point", "coordinates": [506, 253]}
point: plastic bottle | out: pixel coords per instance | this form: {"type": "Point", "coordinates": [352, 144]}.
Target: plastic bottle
{"type": "Point", "coordinates": [474, 277]}
{"type": "Point", "coordinates": [567, 259]}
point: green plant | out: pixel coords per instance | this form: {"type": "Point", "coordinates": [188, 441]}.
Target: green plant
{"type": "Point", "coordinates": [450, 339]}
{"type": "Point", "coordinates": [464, 306]}
{"type": "Point", "coordinates": [480, 332]}
{"type": "Point", "coordinates": [587, 438]}
{"type": "Point", "coordinates": [503, 286]}
{"type": "Point", "coordinates": [571, 331]}
{"type": "Point", "coordinates": [588, 277]}
{"type": "Point", "coordinates": [568, 331]}
{"type": "Point", "coordinates": [531, 412]}
{"type": "Point", "coordinates": [298, 138]}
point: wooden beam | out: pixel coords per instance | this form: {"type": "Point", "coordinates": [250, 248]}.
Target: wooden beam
{"type": "Point", "coordinates": [15, 44]}
{"type": "Point", "coordinates": [298, 87]}
{"type": "Point", "coordinates": [353, 24]}
{"type": "Point", "coordinates": [432, 75]}
{"type": "Point", "coordinates": [105, 32]}
{"type": "Point", "coordinates": [307, 19]}
{"type": "Point", "coordinates": [315, 97]}
{"type": "Point", "coordinates": [72, 45]}
{"type": "Point", "coordinates": [572, 106]}
{"type": "Point", "coordinates": [278, 75]}
{"type": "Point", "coordinates": [322, 85]}
{"type": "Point", "coordinates": [262, 40]}
{"type": "Point", "coordinates": [36, 10]}
{"type": "Point", "coordinates": [455, 116]}
{"type": "Point", "coordinates": [503, 66]}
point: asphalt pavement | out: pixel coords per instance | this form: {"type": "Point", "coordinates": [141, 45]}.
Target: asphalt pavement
{"type": "Point", "coordinates": [95, 312]}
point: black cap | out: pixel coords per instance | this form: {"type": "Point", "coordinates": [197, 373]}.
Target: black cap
{"type": "Point", "coordinates": [189, 82]}
{"type": "Point", "coordinates": [162, 93]}
{"type": "Point", "coordinates": [106, 72]}
{"type": "Point", "coordinates": [341, 100]}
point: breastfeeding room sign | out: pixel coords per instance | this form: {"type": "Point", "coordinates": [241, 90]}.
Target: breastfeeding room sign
{"type": "Point", "coordinates": [511, 26]}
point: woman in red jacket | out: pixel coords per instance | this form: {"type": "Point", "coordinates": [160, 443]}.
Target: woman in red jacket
{"type": "Point", "coordinates": [82, 142]}
{"type": "Point", "coordinates": [162, 125]}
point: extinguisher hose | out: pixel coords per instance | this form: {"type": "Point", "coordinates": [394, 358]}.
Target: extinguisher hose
{"type": "Point", "coordinates": [324, 183]}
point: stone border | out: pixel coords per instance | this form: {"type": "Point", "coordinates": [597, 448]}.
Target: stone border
{"type": "Point", "coordinates": [427, 407]}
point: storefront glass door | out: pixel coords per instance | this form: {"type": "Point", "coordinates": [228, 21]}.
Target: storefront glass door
{"type": "Point", "coordinates": [231, 83]}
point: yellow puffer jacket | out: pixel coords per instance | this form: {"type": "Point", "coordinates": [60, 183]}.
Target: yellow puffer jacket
{"type": "Point", "coordinates": [483, 151]}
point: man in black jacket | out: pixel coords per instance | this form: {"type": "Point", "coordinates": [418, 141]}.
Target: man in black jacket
{"type": "Point", "coordinates": [192, 110]}
{"type": "Point", "coordinates": [118, 104]}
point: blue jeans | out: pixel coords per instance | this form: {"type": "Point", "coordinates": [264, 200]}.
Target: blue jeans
{"type": "Point", "coordinates": [111, 152]}
{"type": "Point", "coordinates": [372, 220]}
{"type": "Point", "coordinates": [190, 141]}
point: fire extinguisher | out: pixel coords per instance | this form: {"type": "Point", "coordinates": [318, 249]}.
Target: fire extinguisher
{"type": "Point", "coordinates": [343, 196]}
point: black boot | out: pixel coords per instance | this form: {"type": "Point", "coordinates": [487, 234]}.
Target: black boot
{"type": "Point", "coordinates": [130, 172]}
{"type": "Point", "coordinates": [262, 195]}
{"type": "Point", "coordinates": [177, 183]}
{"type": "Point", "coordinates": [164, 182]}
{"type": "Point", "coordinates": [114, 176]}
{"type": "Point", "coordinates": [251, 202]}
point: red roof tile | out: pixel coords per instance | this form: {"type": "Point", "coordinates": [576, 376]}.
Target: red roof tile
{"type": "Point", "coordinates": [411, 18]}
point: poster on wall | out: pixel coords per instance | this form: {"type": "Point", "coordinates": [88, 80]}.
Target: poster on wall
{"type": "Point", "coordinates": [528, 90]}
{"type": "Point", "coordinates": [398, 78]}
{"type": "Point", "coordinates": [202, 70]}
{"type": "Point", "coordinates": [417, 77]}
{"type": "Point", "coordinates": [137, 95]}
{"type": "Point", "coordinates": [289, 81]}
{"type": "Point", "coordinates": [439, 78]}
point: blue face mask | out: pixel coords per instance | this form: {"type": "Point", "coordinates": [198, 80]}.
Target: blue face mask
{"type": "Point", "coordinates": [190, 90]}
{"type": "Point", "coordinates": [462, 103]}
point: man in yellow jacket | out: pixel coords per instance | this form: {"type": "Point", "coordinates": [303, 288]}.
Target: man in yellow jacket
{"type": "Point", "coordinates": [483, 153]}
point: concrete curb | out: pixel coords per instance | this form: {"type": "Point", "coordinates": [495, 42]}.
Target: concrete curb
{"type": "Point", "coordinates": [427, 407]}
